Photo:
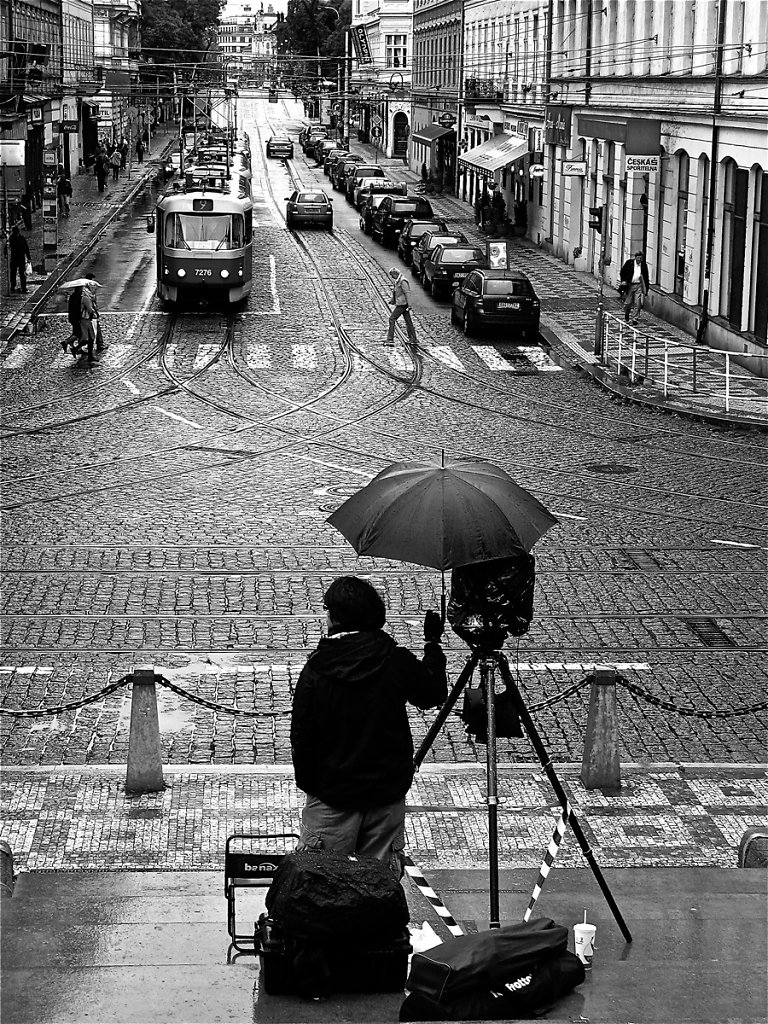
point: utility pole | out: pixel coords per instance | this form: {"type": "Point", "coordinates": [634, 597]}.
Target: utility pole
{"type": "Point", "coordinates": [701, 330]}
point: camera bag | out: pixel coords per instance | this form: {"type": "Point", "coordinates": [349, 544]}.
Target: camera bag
{"type": "Point", "coordinates": [486, 960]}
{"type": "Point", "coordinates": [528, 992]}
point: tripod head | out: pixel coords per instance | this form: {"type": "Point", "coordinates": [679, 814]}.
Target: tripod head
{"type": "Point", "coordinates": [492, 600]}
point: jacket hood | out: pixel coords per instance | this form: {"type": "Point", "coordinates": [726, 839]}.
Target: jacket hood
{"type": "Point", "coordinates": [352, 657]}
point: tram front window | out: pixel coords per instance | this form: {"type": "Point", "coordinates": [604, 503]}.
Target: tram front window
{"type": "Point", "coordinates": [211, 232]}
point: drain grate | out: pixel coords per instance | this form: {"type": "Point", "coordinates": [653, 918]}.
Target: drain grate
{"type": "Point", "coordinates": [708, 632]}
{"type": "Point", "coordinates": [615, 468]}
{"type": "Point", "coordinates": [642, 559]}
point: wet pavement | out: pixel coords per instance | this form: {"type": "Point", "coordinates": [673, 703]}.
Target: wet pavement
{"type": "Point", "coordinates": [146, 522]}
{"type": "Point", "coordinates": [152, 948]}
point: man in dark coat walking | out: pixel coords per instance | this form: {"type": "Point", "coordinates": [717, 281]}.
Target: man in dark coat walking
{"type": "Point", "coordinates": [351, 742]}
{"type": "Point", "coordinates": [634, 285]}
{"type": "Point", "coordinates": [18, 254]}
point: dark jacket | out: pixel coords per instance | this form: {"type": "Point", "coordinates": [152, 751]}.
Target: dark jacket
{"type": "Point", "coordinates": [628, 270]}
{"type": "Point", "coordinates": [18, 248]}
{"type": "Point", "coordinates": [350, 739]}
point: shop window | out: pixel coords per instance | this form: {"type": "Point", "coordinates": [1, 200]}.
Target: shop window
{"type": "Point", "coordinates": [760, 257]}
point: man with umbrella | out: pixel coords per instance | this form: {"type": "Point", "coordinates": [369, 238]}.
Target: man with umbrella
{"type": "Point", "coordinates": [351, 742]}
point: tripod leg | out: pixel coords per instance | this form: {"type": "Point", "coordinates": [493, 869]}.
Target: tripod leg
{"type": "Point", "coordinates": [546, 763]}
{"type": "Point", "coordinates": [445, 710]}
{"type": "Point", "coordinates": [487, 675]}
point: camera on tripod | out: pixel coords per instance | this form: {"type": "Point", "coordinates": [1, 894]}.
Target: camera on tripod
{"type": "Point", "coordinates": [489, 602]}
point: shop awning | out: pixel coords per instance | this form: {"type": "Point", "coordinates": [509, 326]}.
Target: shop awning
{"type": "Point", "coordinates": [427, 135]}
{"type": "Point", "coordinates": [495, 153]}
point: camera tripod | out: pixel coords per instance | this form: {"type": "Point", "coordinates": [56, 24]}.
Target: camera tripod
{"type": "Point", "coordinates": [489, 661]}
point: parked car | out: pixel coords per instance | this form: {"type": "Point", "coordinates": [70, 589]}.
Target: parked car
{"type": "Point", "coordinates": [362, 185]}
{"type": "Point", "coordinates": [361, 171]}
{"type": "Point", "coordinates": [380, 185]}
{"type": "Point", "coordinates": [309, 208]}
{"type": "Point", "coordinates": [413, 231]}
{"type": "Point", "coordinates": [280, 145]}
{"type": "Point", "coordinates": [332, 158]}
{"type": "Point", "coordinates": [428, 241]}
{"type": "Point", "coordinates": [449, 263]}
{"type": "Point", "coordinates": [342, 168]}
{"type": "Point", "coordinates": [371, 204]}
{"type": "Point", "coordinates": [313, 134]}
{"type": "Point", "coordinates": [391, 217]}
{"type": "Point", "coordinates": [323, 146]}
{"type": "Point", "coordinates": [496, 298]}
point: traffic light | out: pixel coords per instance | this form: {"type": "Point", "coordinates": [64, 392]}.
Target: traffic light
{"type": "Point", "coordinates": [596, 218]}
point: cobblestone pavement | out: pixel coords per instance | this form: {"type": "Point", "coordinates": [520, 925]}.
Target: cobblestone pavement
{"type": "Point", "coordinates": [168, 506]}
{"type": "Point", "coordinates": [666, 816]}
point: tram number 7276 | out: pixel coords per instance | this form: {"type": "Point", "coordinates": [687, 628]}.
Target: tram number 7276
{"type": "Point", "coordinates": [202, 273]}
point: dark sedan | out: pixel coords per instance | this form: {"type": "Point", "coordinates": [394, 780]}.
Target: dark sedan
{"type": "Point", "coordinates": [342, 168]}
{"type": "Point", "coordinates": [447, 264]}
{"type": "Point", "coordinates": [280, 145]}
{"type": "Point", "coordinates": [496, 298]}
{"type": "Point", "coordinates": [412, 232]}
{"type": "Point", "coordinates": [309, 208]}
{"type": "Point", "coordinates": [429, 241]}
{"type": "Point", "coordinates": [370, 206]}
{"type": "Point", "coordinates": [332, 158]}
{"type": "Point", "coordinates": [391, 217]}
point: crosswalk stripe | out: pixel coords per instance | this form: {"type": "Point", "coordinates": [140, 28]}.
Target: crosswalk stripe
{"type": "Point", "coordinates": [117, 354]}
{"type": "Point", "coordinates": [539, 358]}
{"type": "Point", "coordinates": [19, 356]}
{"type": "Point", "coordinates": [491, 358]}
{"type": "Point", "coordinates": [205, 354]}
{"type": "Point", "coordinates": [304, 357]}
{"type": "Point", "coordinates": [257, 356]}
{"type": "Point", "coordinates": [445, 354]}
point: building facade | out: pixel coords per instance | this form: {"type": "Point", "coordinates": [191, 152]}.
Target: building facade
{"type": "Point", "coordinates": [663, 114]}
{"type": "Point", "coordinates": [247, 43]}
{"type": "Point", "coordinates": [383, 85]}
{"type": "Point", "coordinates": [438, 53]}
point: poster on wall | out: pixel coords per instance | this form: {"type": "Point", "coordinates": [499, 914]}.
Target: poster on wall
{"type": "Point", "coordinates": [497, 254]}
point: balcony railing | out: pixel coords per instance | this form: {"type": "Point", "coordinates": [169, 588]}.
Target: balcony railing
{"type": "Point", "coordinates": [483, 89]}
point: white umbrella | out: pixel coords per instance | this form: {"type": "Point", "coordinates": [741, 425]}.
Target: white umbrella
{"type": "Point", "coordinates": [79, 282]}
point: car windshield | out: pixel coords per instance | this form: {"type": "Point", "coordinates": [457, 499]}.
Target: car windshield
{"type": "Point", "coordinates": [461, 255]}
{"type": "Point", "coordinates": [502, 287]}
{"type": "Point", "coordinates": [418, 227]}
{"type": "Point", "coordinates": [204, 231]}
{"type": "Point", "coordinates": [311, 197]}
{"type": "Point", "coordinates": [436, 240]}
{"type": "Point", "coordinates": [368, 172]}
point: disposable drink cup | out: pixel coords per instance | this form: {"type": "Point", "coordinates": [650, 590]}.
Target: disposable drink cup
{"type": "Point", "coordinates": [584, 943]}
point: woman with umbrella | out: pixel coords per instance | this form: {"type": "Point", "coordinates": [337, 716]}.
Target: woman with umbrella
{"type": "Point", "coordinates": [83, 317]}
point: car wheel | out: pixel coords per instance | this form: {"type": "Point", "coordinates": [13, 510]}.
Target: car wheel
{"type": "Point", "coordinates": [425, 282]}
{"type": "Point", "coordinates": [469, 321]}
{"type": "Point", "coordinates": [454, 318]}
{"type": "Point", "coordinates": [289, 221]}
{"type": "Point", "coordinates": [414, 271]}
{"type": "Point", "coordinates": [330, 225]}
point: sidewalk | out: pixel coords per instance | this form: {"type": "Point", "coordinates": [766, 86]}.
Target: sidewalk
{"type": "Point", "coordinates": [90, 212]}
{"type": "Point", "coordinates": [569, 305]}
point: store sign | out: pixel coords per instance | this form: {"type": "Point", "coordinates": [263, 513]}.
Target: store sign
{"type": "Point", "coordinates": [447, 120]}
{"type": "Point", "coordinates": [557, 125]}
{"type": "Point", "coordinates": [642, 164]}
{"type": "Point", "coordinates": [361, 44]}
{"type": "Point", "coordinates": [576, 168]}
{"type": "Point", "coordinates": [69, 127]}
{"type": "Point", "coordinates": [536, 170]}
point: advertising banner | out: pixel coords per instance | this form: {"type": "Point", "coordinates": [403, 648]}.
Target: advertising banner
{"type": "Point", "coordinates": [361, 44]}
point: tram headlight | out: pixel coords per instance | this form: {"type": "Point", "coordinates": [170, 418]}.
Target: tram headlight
{"type": "Point", "coordinates": [166, 270]}
{"type": "Point", "coordinates": [181, 272]}
{"type": "Point", "coordinates": [225, 273]}
{"type": "Point", "coordinates": [239, 273]}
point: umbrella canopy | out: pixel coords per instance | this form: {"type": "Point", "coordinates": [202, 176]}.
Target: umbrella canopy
{"type": "Point", "coordinates": [442, 516]}
{"type": "Point", "coordinates": [79, 282]}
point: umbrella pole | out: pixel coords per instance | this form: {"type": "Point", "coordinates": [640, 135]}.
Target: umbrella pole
{"type": "Point", "coordinates": [442, 599]}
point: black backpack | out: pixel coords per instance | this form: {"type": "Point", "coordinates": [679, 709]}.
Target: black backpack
{"type": "Point", "coordinates": [321, 895]}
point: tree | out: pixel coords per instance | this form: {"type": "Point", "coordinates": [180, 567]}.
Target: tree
{"type": "Point", "coordinates": [312, 29]}
{"type": "Point", "coordinates": [178, 31]}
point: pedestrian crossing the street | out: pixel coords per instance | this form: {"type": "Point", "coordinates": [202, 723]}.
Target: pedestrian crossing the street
{"type": "Point", "coordinates": [305, 358]}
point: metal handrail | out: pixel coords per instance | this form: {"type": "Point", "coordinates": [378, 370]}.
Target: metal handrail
{"type": "Point", "coordinates": [633, 345]}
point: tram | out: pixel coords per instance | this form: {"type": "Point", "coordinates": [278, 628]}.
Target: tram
{"type": "Point", "coordinates": [203, 242]}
